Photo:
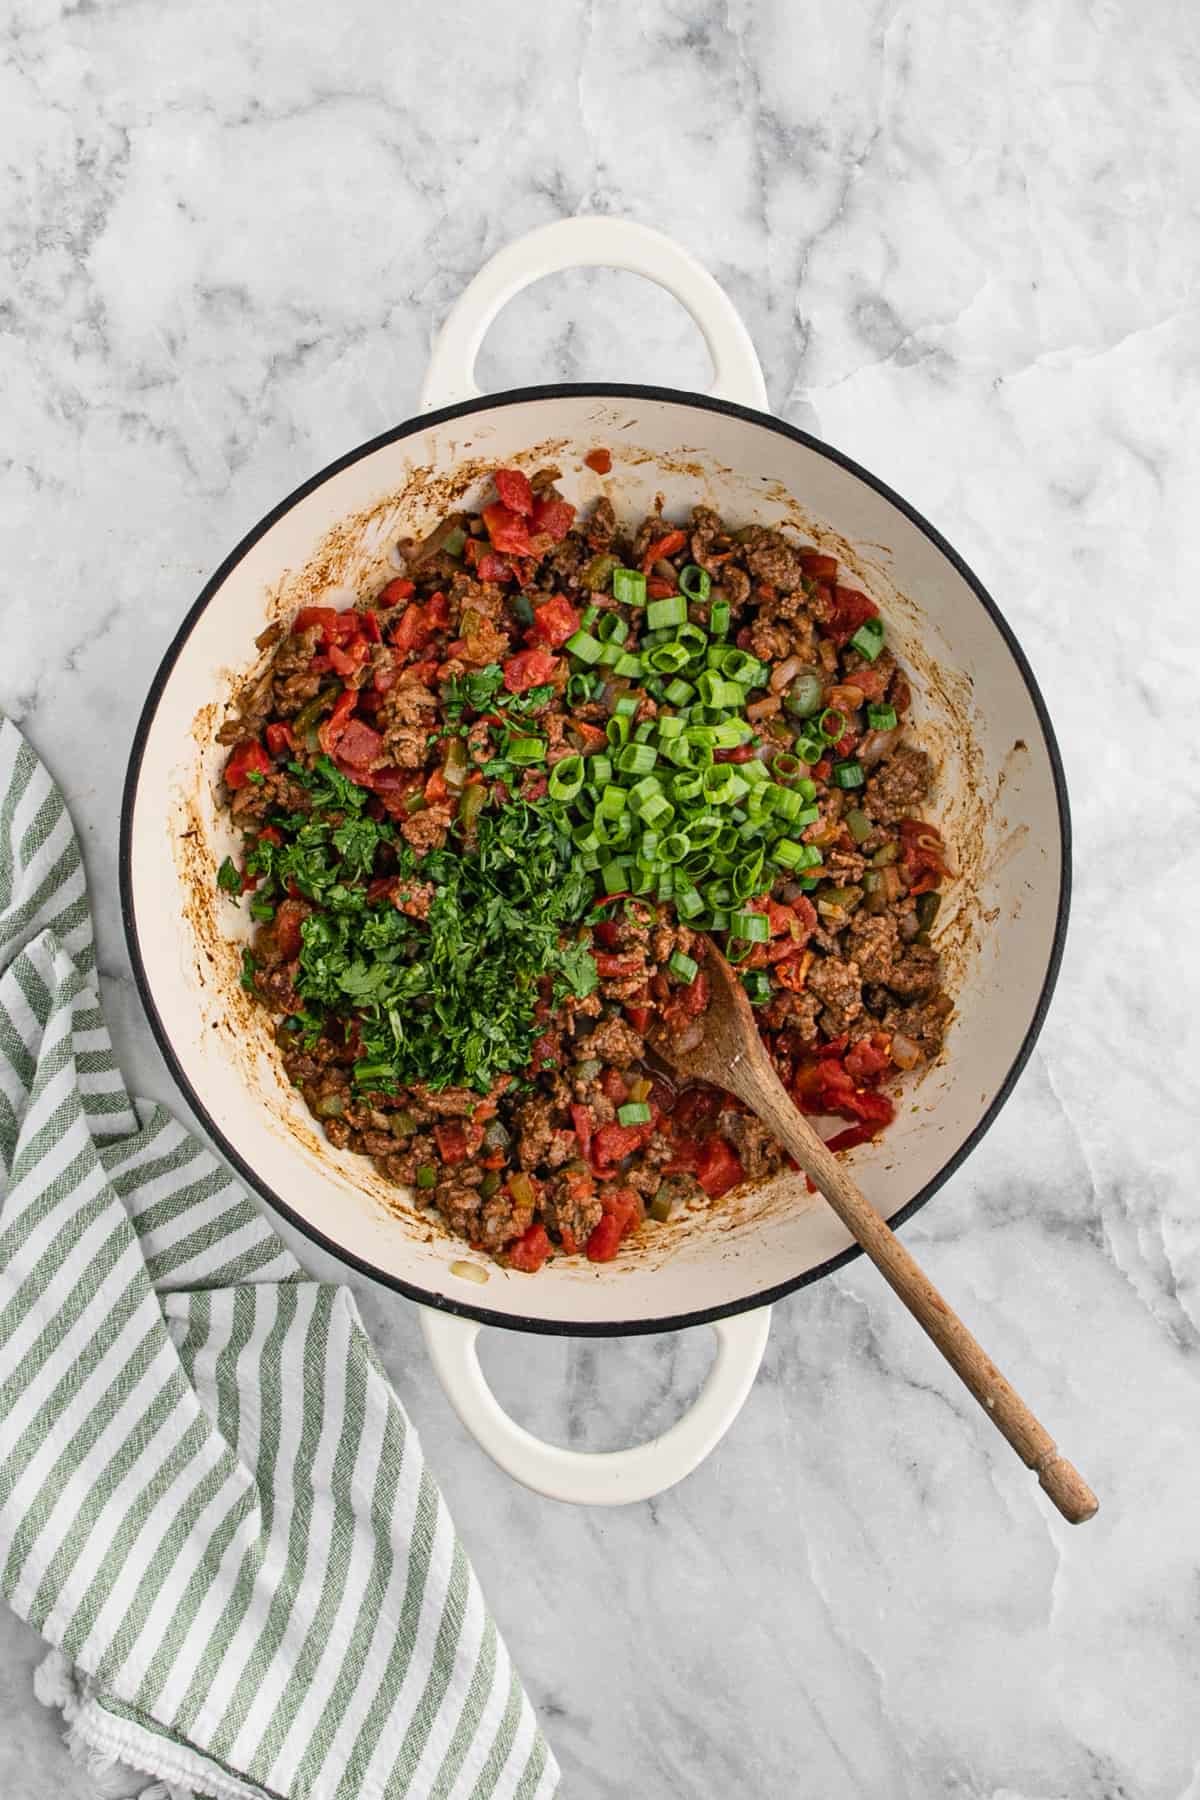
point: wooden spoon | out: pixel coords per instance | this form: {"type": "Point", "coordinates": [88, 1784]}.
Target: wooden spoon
{"type": "Point", "coordinates": [731, 1055]}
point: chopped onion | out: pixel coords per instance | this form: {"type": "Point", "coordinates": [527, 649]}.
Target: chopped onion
{"type": "Point", "coordinates": [906, 1054]}
{"type": "Point", "coordinates": [397, 559]}
{"type": "Point", "coordinates": [788, 669]}
{"type": "Point", "coordinates": [764, 709]}
{"type": "Point", "coordinates": [877, 744]}
{"type": "Point", "coordinates": [665, 571]}
{"type": "Point", "coordinates": [469, 1271]}
{"type": "Point", "coordinates": [909, 926]}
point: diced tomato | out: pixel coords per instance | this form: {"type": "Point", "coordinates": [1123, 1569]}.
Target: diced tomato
{"type": "Point", "coordinates": [280, 737]}
{"type": "Point", "coordinates": [395, 591]}
{"type": "Point", "coordinates": [718, 1168]}
{"type": "Point", "coordinates": [870, 681]}
{"type": "Point", "coordinates": [663, 546]}
{"type": "Point", "coordinates": [694, 1106]}
{"type": "Point", "coordinates": [552, 518]}
{"type": "Point", "coordinates": [410, 631]}
{"type": "Point", "coordinates": [581, 1118]}
{"type": "Point", "coordinates": [850, 610]}
{"type": "Point", "coordinates": [514, 490]}
{"type": "Point", "coordinates": [345, 660]}
{"type": "Point", "coordinates": [451, 1141]}
{"type": "Point", "coordinates": [329, 732]}
{"type": "Point", "coordinates": [922, 855]}
{"type": "Point", "coordinates": [554, 622]}
{"type": "Point", "coordinates": [372, 629]}
{"type": "Point", "coordinates": [529, 668]}
{"type": "Point", "coordinates": [639, 1017]}
{"type": "Point", "coordinates": [605, 1239]}
{"type": "Point", "coordinates": [530, 1250]}
{"type": "Point", "coordinates": [625, 1206]}
{"type": "Point", "coordinates": [591, 738]}
{"type": "Point", "coordinates": [659, 588]}
{"type": "Point", "coordinates": [695, 995]}
{"type": "Point", "coordinates": [436, 789]}
{"type": "Point", "coordinates": [269, 835]}
{"type": "Point", "coordinates": [792, 974]}
{"type": "Point", "coordinates": [249, 758]}
{"type": "Point", "coordinates": [851, 1137]}
{"type": "Point", "coordinates": [741, 753]}
{"type": "Point", "coordinates": [868, 1059]}
{"type": "Point", "coordinates": [437, 611]}
{"type": "Point", "coordinates": [834, 1047]}
{"type": "Point", "coordinates": [546, 1052]}
{"type": "Point", "coordinates": [336, 627]}
{"type": "Point", "coordinates": [288, 920]}
{"type": "Point", "coordinates": [612, 1142]}
{"type": "Point", "coordinates": [617, 967]}
{"type": "Point", "coordinates": [817, 566]}
{"type": "Point", "coordinates": [423, 672]}
{"type": "Point", "coordinates": [822, 770]}
{"type": "Point", "coordinates": [491, 567]}
{"type": "Point", "coordinates": [507, 530]}
{"type": "Point", "coordinates": [359, 745]}
{"type": "Point", "coordinates": [599, 460]}
{"type": "Point", "coordinates": [868, 1105]}
{"type": "Point", "coordinates": [613, 1087]}
{"type": "Point", "coordinates": [806, 912]}
{"type": "Point", "coordinates": [607, 932]}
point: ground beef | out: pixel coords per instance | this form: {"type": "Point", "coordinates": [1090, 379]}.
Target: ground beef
{"type": "Point", "coordinates": [408, 703]}
{"type": "Point", "coordinates": [568, 1208]}
{"type": "Point", "coordinates": [771, 558]}
{"type": "Point", "coordinates": [669, 937]}
{"type": "Point", "coordinates": [735, 585]}
{"type": "Point", "coordinates": [275, 792]}
{"type": "Point", "coordinates": [427, 830]}
{"type": "Point", "coordinates": [459, 1201]}
{"type": "Point", "coordinates": [485, 644]}
{"type": "Point", "coordinates": [405, 745]}
{"type": "Point", "coordinates": [535, 1126]}
{"type": "Point", "coordinates": [501, 1219]}
{"type": "Point", "coordinates": [901, 782]}
{"type": "Point", "coordinates": [414, 898]}
{"type": "Point", "coordinates": [567, 560]}
{"type": "Point", "coordinates": [925, 1021]}
{"type": "Point", "coordinates": [602, 526]}
{"type": "Point", "coordinates": [770, 642]}
{"type": "Point", "coordinates": [757, 1150]}
{"type": "Point", "coordinates": [839, 989]}
{"type": "Point", "coordinates": [616, 1042]}
{"type": "Point", "coordinates": [645, 1177]}
{"type": "Point", "coordinates": [917, 975]}
{"type": "Point", "coordinates": [874, 945]}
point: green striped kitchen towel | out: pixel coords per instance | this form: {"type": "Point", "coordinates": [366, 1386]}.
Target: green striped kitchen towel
{"type": "Point", "coordinates": [211, 1503]}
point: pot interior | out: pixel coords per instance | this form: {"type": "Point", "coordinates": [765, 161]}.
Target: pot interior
{"type": "Point", "coordinates": [997, 800]}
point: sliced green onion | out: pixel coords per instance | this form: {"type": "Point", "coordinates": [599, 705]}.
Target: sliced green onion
{"type": "Point", "coordinates": [753, 927]}
{"type": "Point", "coordinates": [719, 617]}
{"type": "Point", "coordinates": [672, 610]}
{"type": "Point", "coordinates": [590, 615]}
{"type": "Point", "coordinates": [629, 587]}
{"type": "Point", "coordinates": [694, 581]}
{"type": "Point", "coordinates": [716, 692]}
{"type": "Point", "coordinates": [678, 693]}
{"type": "Point", "coordinates": [881, 718]}
{"type": "Point", "coordinates": [757, 987]}
{"type": "Point", "coordinates": [637, 759]}
{"type": "Point", "coordinates": [832, 724]}
{"type": "Point", "coordinates": [583, 645]}
{"type": "Point", "coordinates": [626, 706]}
{"type": "Point", "coordinates": [868, 639]}
{"type": "Point", "coordinates": [526, 750]}
{"type": "Point", "coordinates": [612, 628]}
{"type": "Point", "coordinates": [566, 778]}
{"type": "Point", "coordinates": [627, 664]}
{"type": "Point", "coordinates": [686, 967]}
{"type": "Point", "coordinates": [848, 774]}
{"type": "Point", "coordinates": [634, 1112]}
{"type": "Point", "coordinates": [614, 875]}
{"type": "Point", "coordinates": [668, 659]}
{"type": "Point", "coordinates": [688, 903]}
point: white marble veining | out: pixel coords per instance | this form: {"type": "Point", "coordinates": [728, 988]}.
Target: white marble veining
{"type": "Point", "coordinates": [964, 237]}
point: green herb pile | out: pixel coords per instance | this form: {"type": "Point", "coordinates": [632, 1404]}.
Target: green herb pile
{"type": "Point", "coordinates": [449, 999]}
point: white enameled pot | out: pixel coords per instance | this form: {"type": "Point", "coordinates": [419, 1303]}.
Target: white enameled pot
{"type": "Point", "coordinates": [1000, 798]}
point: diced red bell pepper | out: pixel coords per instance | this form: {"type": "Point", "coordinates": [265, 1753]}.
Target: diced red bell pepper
{"type": "Point", "coordinates": [280, 737]}
{"type": "Point", "coordinates": [507, 530]}
{"type": "Point", "coordinates": [287, 923]}
{"type": "Point", "coordinates": [850, 610]}
{"type": "Point", "coordinates": [554, 622]}
{"type": "Point", "coordinates": [552, 517]}
{"type": "Point", "coordinates": [599, 460]}
{"type": "Point", "coordinates": [248, 758]}
{"type": "Point", "coordinates": [514, 490]}
{"type": "Point", "coordinates": [336, 627]}
{"type": "Point", "coordinates": [329, 732]}
{"type": "Point", "coordinates": [395, 591]}
{"type": "Point", "coordinates": [344, 660]}
{"type": "Point", "coordinates": [530, 1250]}
{"type": "Point", "coordinates": [359, 745]}
{"type": "Point", "coordinates": [436, 789]}
{"type": "Point", "coordinates": [529, 668]}
{"type": "Point", "coordinates": [817, 566]}
{"type": "Point", "coordinates": [605, 1239]}
{"type": "Point", "coordinates": [663, 546]}
{"type": "Point", "coordinates": [639, 1017]}
{"type": "Point", "coordinates": [451, 1141]}
{"type": "Point", "coordinates": [616, 967]}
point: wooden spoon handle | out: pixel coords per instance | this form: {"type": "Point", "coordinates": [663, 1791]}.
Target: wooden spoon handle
{"type": "Point", "coordinates": [1003, 1405]}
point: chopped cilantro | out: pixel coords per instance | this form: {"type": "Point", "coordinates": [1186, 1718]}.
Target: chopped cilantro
{"type": "Point", "coordinates": [229, 876]}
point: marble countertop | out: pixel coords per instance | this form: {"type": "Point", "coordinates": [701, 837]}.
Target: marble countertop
{"type": "Point", "coordinates": [964, 239]}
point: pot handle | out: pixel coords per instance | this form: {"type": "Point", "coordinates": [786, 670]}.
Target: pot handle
{"type": "Point", "coordinates": [603, 1478]}
{"type": "Point", "coordinates": [591, 243]}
